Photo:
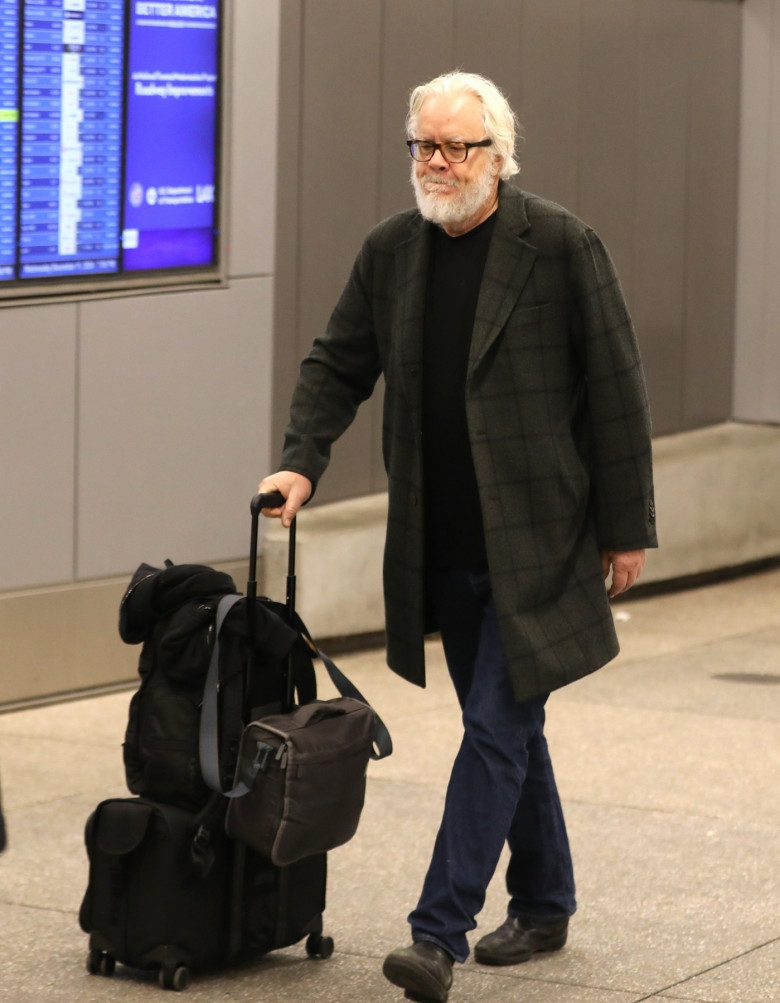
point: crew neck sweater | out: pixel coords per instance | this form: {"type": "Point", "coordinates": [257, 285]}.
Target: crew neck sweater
{"type": "Point", "coordinates": [453, 516]}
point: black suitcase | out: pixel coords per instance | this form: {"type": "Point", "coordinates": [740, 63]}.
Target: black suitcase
{"type": "Point", "coordinates": [168, 890]}
{"type": "Point", "coordinates": [151, 904]}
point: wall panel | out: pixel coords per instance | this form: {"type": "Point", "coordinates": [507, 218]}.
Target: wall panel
{"type": "Point", "coordinates": [286, 355]}
{"type": "Point", "coordinates": [253, 128]}
{"type": "Point", "coordinates": [38, 374]}
{"type": "Point", "coordinates": [608, 141]}
{"type": "Point", "coordinates": [771, 339]}
{"type": "Point", "coordinates": [659, 218]}
{"type": "Point", "coordinates": [336, 176]}
{"type": "Point", "coordinates": [339, 155]}
{"type": "Point", "coordinates": [714, 67]}
{"type": "Point", "coordinates": [550, 111]}
{"type": "Point", "coordinates": [417, 42]}
{"type": "Point", "coordinates": [174, 414]}
{"type": "Point", "coordinates": [757, 361]}
{"type": "Point", "coordinates": [479, 48]}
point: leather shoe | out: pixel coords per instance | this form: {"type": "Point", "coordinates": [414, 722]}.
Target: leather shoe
{"type": "Point", "coordinates": [517, 939]}
{"type": "Point", "coordinates": [424, 970]}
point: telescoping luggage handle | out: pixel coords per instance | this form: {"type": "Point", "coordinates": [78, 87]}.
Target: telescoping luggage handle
{"type": "Point", "coordinates": [274, 499]}
{"type": "Point", "coordinates": [209, 749]}
{"type": "Point", "coordinates": [271, 499]}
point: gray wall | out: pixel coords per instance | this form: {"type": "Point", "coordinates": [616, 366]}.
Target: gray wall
{"type": "Point", "coordinates": [631, 112]}
{"type": "Point", "coordinates": [757, 368]}
{"type": "Point", "coordinates": [136, 427]}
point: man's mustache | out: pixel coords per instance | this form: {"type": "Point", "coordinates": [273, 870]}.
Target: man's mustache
{"type": "Point", "coordinates": [436, 179]}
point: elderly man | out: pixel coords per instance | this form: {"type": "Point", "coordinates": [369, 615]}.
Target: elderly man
{"type": "Point", "coordinates": [518, 452]}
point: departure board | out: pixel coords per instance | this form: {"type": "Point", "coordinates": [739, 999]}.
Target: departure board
{"type": "Point", "coordinates": [108, 137]}
{"type": "Point", "coordinates": [9, 134]}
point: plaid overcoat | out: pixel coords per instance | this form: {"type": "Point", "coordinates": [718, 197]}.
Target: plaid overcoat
{"type": "Point", "coordinates": [557, 418]}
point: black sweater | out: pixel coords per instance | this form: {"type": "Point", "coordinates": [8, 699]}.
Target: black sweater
{"type": "Point", "coordinates": [454, 532]}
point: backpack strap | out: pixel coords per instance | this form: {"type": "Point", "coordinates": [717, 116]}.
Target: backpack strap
{"type": "Point", "coordinates": [209, 717]}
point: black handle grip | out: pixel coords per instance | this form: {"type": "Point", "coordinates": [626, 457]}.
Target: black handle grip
{"type": "Point", "coordinates": [273, 499]}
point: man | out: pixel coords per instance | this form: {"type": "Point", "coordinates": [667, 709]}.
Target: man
{"type": "Point", "coordinates": [517, 446]}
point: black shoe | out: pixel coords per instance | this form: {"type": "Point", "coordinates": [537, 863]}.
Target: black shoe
{"type": "Point", "coordinates": [517, 939]}
{"type": "Point", "coordinates": [424, 970]}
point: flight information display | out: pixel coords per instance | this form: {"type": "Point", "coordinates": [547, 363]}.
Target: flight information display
{"type": "Point", "coordinates": [108, 137]}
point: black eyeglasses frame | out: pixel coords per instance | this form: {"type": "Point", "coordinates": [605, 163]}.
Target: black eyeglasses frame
{"type": "Point", "coordinates": [439, 146]}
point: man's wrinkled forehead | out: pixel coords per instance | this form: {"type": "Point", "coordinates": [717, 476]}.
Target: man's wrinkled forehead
{"type": "Point", "coordinates": [461, 110]}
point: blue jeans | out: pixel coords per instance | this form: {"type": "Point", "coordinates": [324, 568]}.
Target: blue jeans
{"type": "Point", "coordinates": [502, 786]}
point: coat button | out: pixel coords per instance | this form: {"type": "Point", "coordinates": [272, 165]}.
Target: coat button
{"type": "Point", "coordinates": [413, 499]}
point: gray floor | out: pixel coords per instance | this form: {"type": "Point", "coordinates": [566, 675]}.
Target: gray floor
{"type": "Point", "coordinates": [668, 763]}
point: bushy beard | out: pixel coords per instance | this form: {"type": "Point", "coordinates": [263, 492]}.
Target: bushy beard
{"type": "Point", "coordinates": [446, 210]}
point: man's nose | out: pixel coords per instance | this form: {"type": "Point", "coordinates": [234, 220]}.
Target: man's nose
{"type": "Point", "coordinates": [438, 161]}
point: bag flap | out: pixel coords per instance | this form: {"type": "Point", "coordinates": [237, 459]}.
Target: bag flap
{"type": "Point", "coordinates": [322, 729]}
{"type": "Point", "coordinates": [121, 826]}
{"type": "Point", "coordinates": [314, 712]}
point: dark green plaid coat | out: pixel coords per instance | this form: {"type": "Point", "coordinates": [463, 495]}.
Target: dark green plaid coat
{"type": "Point", "coordinates": [558, 423]}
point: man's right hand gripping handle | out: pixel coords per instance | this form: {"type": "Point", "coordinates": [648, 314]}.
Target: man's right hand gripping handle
{"type": "Point", "coordinates": [295, 488]}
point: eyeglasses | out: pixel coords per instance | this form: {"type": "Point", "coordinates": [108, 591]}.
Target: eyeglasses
{"type": "Point", "coordinates": [453, 153]}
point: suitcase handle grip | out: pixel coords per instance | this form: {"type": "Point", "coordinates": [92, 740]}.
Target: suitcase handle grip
{"type": "Point", "coordinates": [272, 499]}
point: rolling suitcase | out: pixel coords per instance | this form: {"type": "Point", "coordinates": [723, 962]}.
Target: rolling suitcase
{"type": "Point", "coordinates": [169, 891]}
{"type": "Point", "coordinates": [152, 904]}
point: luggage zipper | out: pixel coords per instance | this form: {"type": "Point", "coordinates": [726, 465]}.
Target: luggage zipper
{"type": "Point", "coordinates": [263, 751]}
{"type": "Point", "coordinates": [281, 754]}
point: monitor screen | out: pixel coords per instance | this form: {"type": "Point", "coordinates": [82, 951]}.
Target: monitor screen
{"type": "Point", "coordinates": [108, 138]}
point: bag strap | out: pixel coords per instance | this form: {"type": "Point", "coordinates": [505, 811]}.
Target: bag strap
{"type": "Point", "coordinates": [209, 718]}
{"type": "Point", "coordinates": [383, 743]}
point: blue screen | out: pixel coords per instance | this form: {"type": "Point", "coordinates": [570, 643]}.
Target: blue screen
{"type": "Point", "coordinates": [170, 178]}
{"type": "Point", "coordinates": [108, 137]}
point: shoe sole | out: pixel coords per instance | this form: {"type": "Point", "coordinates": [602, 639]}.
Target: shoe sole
{"type": "Point", "coordinates": [419, 987]}
{"type": "Point", "coordinates": [517, 959]}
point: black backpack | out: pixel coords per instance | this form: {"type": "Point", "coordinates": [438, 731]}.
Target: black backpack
{"type": "Point", "coordinates": [172, 611]}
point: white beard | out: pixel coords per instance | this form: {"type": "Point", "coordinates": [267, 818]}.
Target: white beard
{"type": "Point", "coordinates": [444, 210]}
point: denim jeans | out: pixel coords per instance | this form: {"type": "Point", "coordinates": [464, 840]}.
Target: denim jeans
{"type": "Point", "coordinates": [502, 787]}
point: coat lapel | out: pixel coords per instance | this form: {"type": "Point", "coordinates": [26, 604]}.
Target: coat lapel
{"type": "Point", "coordinates": [508, 266]}
{"type": "Point", "coordinates": [412, 259]}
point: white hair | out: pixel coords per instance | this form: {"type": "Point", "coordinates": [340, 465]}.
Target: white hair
{"type": "Point", "coordinates": [501, 124]}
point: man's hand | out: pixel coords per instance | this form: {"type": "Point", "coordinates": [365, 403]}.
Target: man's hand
{"type": "Point", "coordinates": [626, 568]}
{"type": "Point", "coordinates": [295, 488]}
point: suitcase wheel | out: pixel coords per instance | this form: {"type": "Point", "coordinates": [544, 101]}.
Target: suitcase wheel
{"type": "Point", "coordinates": [100, 963]}
{"type": "Point", "coordinates": [176, 977]}
{"type": "Point", "coordinates": [318, 946]}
